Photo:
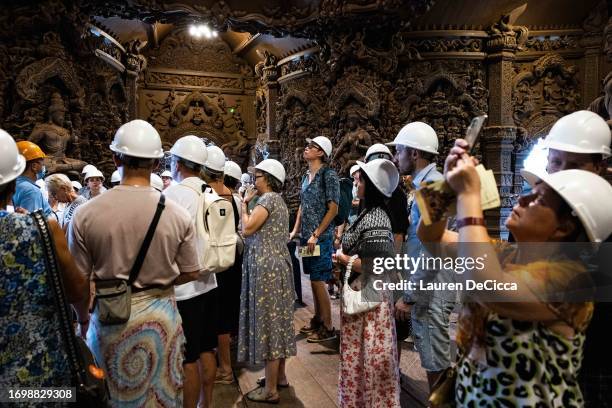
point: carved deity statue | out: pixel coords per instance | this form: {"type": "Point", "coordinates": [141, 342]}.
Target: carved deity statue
{"type": "Point", "coordinates": [53, 138]}
{"type": "Point", "coordinates": [354, 143]}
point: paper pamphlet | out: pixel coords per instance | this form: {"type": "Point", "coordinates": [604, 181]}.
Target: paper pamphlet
{"type": "Point", "coordinates": [436, 199]}
{"type": "Point", "coordinates": [305, 254]}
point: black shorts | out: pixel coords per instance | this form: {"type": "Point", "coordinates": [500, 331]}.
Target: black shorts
{"type": "Point", "coordinates": [229, 286]}
{"type": "Point", "coordinates": [199, 316]}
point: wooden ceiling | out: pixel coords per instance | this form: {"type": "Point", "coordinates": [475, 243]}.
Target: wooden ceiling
{"type": "Point", "coordinates": [475, 14]}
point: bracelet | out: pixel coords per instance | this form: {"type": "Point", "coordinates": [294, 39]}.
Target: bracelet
{"type": "Point", "coordinates": [464, 222]}
{"type": "Point", "coordinates": [314, 234]}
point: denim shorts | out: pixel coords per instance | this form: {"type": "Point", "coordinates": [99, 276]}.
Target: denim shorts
{"type": "Point", "coordinates": [430, 330]}
{"type": "Point", "coordinates": [319, 267]}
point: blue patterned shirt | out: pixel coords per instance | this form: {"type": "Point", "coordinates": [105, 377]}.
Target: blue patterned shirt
{"type": "Point", "coordinates": [314, 198]}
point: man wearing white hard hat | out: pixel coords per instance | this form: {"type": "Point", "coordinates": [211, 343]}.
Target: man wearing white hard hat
{"type": "Point", "coordinates": [367, 239]}
{"type": "Point", "coordinates": [416, 146]}
{"type": "Point", "coordinates": [116, 223]}
{"type": "Point", "coordinates": [166, 177]}
{"type": "Point", "coordinates": [580, 140]}
{"type": "Point", "coordinates": [228, 282]}
{"type": "Point", "coordinates": [197, 300]}
{"type": "Point", "coordinates": [320, 197]}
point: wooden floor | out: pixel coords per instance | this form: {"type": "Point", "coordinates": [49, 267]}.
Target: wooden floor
{"type": "Point", "coordinates": [313, 373]}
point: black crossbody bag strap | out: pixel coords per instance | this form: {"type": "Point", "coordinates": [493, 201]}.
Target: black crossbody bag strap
{"type": "Point", "coordinates": [147, 240]}
{"type": "Point", "coordinates": [61, 304]}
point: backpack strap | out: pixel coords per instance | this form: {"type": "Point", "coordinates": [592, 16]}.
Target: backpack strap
{"type": "Point", "coordinates": [147, 240]}
{"type": "Point", "coordinates": [236, 216]}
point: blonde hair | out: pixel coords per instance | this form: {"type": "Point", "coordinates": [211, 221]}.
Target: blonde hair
{"type": "Point", "coordinates": [56, 181]}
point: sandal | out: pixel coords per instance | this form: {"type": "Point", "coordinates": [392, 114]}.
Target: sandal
{"type": "Point", "coordinates": [259, 395]}
{"type": "Point", "coordinates": [262, 383]}
{"type": "Point", "coordinates": [224, 379]}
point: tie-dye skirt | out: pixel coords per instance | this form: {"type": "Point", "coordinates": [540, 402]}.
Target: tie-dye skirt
{"type": "Point", "coordinates": [143, 358]}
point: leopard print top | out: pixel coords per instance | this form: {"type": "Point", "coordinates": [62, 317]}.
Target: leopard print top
{"type": "Point", "coordinates": [527, 365]}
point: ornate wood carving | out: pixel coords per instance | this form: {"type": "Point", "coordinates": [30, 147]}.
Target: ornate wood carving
{"type": "Point", "coordinates": [199, 87]}
{"type": "Point", "coordinates": [543, 92]}
{"type": "Point", "coordinates": [51, 55]}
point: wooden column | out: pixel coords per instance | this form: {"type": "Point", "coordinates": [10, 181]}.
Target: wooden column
{"type": "Point", "coordinates": [500, 134]}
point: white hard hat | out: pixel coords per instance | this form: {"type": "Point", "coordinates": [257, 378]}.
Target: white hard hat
{"type": "Point", "coordinates": [580, 132]}
{"type": "Point", "coordinates": [216, 159]}
{"type": "Point", "coordinates": [88, 168]}
{"type": "Point", "coordinates": [77, 185]}
{"type": "Point", "coordinates": [138, 138]}
{"type": "Point", "coordinates": [323, 143]}
{"type": "Point", "coordinates": [378, 149]}
{"type": "Point", "coordinates": [272, 167]}
{"type": "Point", "coordinates": [12, 164]}
{"type": "Point", "coordinates": [94, 173]}
{"type": "Point", "coordinates": [417, 135]}
{"type": "Point", "coordinates": [190, 148]}
{"type": "Point", "coordinates": [354, 168]}
{"type": "Point", "coordinates": [115, 177]}
{"type": "Point", "coordinates": [233, 170]}
{"type": "Point", "coordinates": [588, 194]}
{"type": "Point", "coordinates": [166, 173]}
{"type": "Point", "coordinates": [245, 178]}
{"type": "Point", "coordinates": [156, 182]}
{"type": "Point", "coordinates": [382, 173]}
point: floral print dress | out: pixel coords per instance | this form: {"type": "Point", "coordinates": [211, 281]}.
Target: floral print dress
{"type": "Point", "coordinates": [32, 349]}
{"type": "Point", "coordinates": [369, 372]}
{"type": "Point", "coordinates": [266, 330]}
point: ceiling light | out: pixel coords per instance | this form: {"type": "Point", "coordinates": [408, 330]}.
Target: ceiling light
{"type": "Point", "coordinates": [202, 30]}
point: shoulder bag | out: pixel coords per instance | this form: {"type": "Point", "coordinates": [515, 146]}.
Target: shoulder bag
{"type": "Point", "coordinates": [351, 299]}
{"type": "Point", "coordinates": [114, 296]}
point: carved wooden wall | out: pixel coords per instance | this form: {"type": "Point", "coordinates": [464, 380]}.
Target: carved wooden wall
{"type": "Point", "coordinates": [196, 86]}
{"type": "Point", "coordinates": [357, 92]}
{"type": "Point", "coordinates": [53, 52]}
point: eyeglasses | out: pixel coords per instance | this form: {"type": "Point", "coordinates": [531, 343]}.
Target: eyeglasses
{"type": "Point", "coordinates": [312, 146]}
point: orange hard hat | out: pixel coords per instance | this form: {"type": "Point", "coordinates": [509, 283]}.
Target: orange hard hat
{"type": "Point", "coordinates": [30, 150]}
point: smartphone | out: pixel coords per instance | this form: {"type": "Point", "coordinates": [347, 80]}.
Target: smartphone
{"type": "Point", "coordinates": [473, 131]}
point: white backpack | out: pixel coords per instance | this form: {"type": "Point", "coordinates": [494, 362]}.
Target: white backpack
{"type": "Point", "coordinates": [216, 230]}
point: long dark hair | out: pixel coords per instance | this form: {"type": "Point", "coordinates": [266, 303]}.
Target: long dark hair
{"type": "Point", "coordinates": [372, 197]}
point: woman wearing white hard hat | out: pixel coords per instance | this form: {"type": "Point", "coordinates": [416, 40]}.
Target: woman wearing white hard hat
{"type": "Point", "coordinates": [34, 349]}
{"type": "Point", "coordinates": [366, 383]}
{"type": "Point", "coordinates": [266, 305]}
{"type": "Point", "coordinates": [166, 177]}
{"type": "Point", "coordinates": [568, 206]}
{"type": "Point", "coordinates": [60, 187]}
{"type": "Point", "coordinates": [93, 181]}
